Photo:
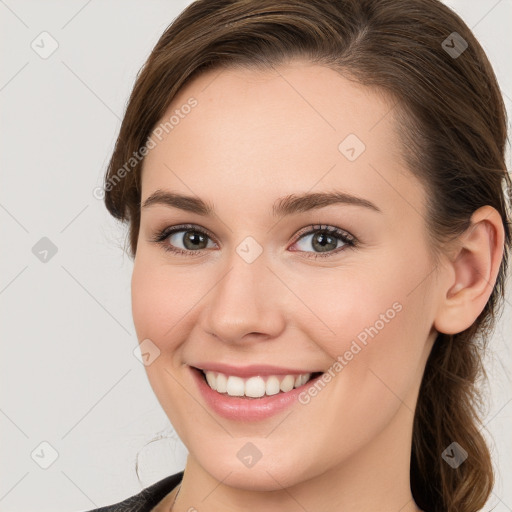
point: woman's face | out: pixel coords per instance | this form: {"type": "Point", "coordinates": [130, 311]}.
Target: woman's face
{"type": "Point", "coordinates": [249, 299]}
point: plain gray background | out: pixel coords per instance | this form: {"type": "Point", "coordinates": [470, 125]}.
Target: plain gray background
{"type": "Point", "coordinates": [69, 376]}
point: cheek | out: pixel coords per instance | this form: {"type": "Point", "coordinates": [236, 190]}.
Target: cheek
{"type": "Point", "coordinates": [147, 305]}
{"type": "Point", "coordinates": [347, 304]}
{"type": "Point", "coordinates": [375, 297]}
{"type": "Point", "coordinates": [373, 320]}
{"type": "Point", "coordinates": [377, 352]}
{"type": "Point", "coordinates": [161, 298]}
{"type": "Point", "coordinates": [160, 303]}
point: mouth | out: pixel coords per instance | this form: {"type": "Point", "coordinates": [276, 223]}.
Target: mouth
{"type": "Point", "coordinates": [250, 393]}
{"type": "Point", "coordinates": [254, 386]}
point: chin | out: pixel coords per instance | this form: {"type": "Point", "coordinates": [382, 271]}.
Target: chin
{"type": "Point", "coordinates": [265, 475]}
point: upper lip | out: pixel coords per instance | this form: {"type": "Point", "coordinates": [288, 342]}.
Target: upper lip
{"type": "Point", "coordinates": [250, 370]}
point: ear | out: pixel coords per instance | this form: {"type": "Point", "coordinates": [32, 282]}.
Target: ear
{"type": "Point", "coordinates": [471, 272]}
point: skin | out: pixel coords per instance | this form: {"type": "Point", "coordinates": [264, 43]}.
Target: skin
{"type": "Point", "coordinates": [253, 137]}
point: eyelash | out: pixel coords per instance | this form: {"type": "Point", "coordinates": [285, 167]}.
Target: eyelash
{"type": "Point", "coordinates": [349, 240]}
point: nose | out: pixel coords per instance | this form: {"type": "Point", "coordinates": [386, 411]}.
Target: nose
{"type": "Point", "coordinates": [245, 304]}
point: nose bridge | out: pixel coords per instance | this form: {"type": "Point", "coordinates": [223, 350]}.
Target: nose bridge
{"type": "Point", "coordinates": [242, 301]}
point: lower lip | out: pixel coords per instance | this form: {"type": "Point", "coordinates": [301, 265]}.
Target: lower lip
{"type": "Point", "coordinates": [247, 409]}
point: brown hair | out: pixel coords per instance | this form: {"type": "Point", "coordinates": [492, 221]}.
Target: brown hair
{"type": "Point", "coordinates": [453, 125]}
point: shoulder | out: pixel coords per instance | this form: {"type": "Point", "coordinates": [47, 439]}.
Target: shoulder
{"type": "Point", "coordinates": [146, 499]}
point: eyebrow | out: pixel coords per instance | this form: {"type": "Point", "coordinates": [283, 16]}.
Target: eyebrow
{"type": "Point", "coordinates": [284, 206]}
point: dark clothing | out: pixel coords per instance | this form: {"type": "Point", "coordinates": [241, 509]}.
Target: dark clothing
{"type": "Point", "coordinates": [146, 499]}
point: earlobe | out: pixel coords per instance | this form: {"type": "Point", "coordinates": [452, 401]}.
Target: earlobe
{"type": "Point", "coordinates": [473, 272]}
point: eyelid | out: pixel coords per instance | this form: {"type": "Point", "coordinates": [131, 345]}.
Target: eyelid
{"type": "Point", "coordinates": [313, 228]}
{"type": "Point", "coordinates": [162, 235]}
{"type": "Point", "coordinates": [169, 230]}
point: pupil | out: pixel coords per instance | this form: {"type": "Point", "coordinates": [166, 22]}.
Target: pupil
{"type": "Point", "coordinates": [193, 239]}
{"type": "Point", "coordinates": [323, 239]}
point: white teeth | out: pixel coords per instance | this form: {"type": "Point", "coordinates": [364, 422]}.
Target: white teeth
{"type": "Point", "coordinates": [287, 383]}
{"type": "Point", "coordinates": [254, 387]}
{"type": "Point", "coordinates": [272, 386]}
{"type": "Point", "coordinates": [236, 386]}
{"type": "Point", "coordinates": [222, 382]}
{"type": "Point", "coordinates": [212, 381]}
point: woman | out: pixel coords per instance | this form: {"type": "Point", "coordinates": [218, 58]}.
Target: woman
{"type": "Point", "coordinates": [317, 202]}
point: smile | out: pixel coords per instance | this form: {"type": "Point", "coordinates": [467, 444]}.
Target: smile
{"type": "Point", "coordinates": [251, 393]}
{"type": "Point", "coordinates": [256, 386]}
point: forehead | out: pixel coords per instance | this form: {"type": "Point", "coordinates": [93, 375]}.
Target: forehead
{"type": "Point", "coordinates": [291, 128]}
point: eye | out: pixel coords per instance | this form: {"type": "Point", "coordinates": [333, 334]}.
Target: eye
{"type": "Point", "coordinates": [193, 239]}
{"type": "Point", "coordinates": [325, 239]}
